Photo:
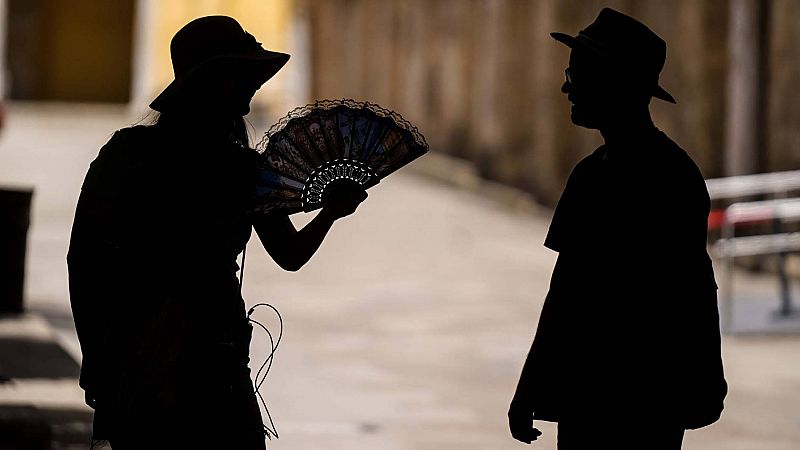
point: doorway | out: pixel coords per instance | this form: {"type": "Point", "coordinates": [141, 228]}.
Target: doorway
{"type": "Point", "coordinates": [69, 50]}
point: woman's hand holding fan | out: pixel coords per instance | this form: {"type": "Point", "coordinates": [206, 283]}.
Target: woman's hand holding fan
{"type": "Point", "coordinates": [328, 153]}
{"type": "Point", "coordinates": [343, 197]}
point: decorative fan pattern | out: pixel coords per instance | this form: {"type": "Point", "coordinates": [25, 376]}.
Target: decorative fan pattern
{"type": "Point", "coordinates": [329, 140]}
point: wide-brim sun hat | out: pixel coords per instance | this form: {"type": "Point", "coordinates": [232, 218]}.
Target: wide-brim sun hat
{"type": "Point", "coordinates": [624, 41]}
{"type": "Point", "coordinates": [213, 39]}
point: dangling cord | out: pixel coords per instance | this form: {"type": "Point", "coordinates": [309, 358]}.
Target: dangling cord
{"type": "Point", "coordinates": [267, 363]}
{"type": "Point", "coordinates": [270, 430]}
{"type": "Point", "coordinates": [241, 271]}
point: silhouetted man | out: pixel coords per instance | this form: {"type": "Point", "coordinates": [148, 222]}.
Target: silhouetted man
{"type": "Point", "coordinates": [627, 352]}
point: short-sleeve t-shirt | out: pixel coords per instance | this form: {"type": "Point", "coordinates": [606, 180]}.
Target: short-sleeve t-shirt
{"type": "Point", "coordinates": [647, 198]}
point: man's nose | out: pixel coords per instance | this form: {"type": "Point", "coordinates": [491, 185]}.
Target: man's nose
{"type": "Point", "coordinates": [565, 87]}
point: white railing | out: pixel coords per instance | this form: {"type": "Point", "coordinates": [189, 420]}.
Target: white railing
{"type": "Point", "coordinates": [777, 211]}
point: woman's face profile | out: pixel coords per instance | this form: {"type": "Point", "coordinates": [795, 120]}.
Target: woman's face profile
{"type": "Point", "coordinates": [224, 87]}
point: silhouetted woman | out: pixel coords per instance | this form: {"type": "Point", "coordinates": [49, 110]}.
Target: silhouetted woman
{"type": "Point", "coordinates": [162, 215]}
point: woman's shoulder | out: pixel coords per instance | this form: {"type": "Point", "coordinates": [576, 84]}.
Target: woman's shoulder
{"type": "Point", "coordinates": [117, 158]}
{"type": "Point", "coordinates": [250, 154]}
{"type": "Point", "coordinates": [125, 140]}
{"type": "Point", "coordinates": [245, 156]}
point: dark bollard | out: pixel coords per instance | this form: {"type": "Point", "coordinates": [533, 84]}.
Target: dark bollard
{"type": "Point", "coordinates": [786, 309]}
{"type": "Point", "coordinates": [15, 214]}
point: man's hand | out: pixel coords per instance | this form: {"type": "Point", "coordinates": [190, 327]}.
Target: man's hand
{"type": "Point", "coordinates": [343, 197]}
{"type": "Point", "coordinates": [520, 421]}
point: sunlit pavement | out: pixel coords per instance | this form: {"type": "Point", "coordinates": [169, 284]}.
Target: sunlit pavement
{"type": "Point", "coordinates": [409, 327]}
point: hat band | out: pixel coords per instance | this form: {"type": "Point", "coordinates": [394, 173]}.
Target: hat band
{"type": "Point", "coordinates": [592, 43]}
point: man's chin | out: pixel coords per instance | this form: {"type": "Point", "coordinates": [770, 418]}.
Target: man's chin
{"type": "Point", "coordinates": [582, 121]}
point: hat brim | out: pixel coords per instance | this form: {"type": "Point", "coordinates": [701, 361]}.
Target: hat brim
{"type": "Point", "coordinates": [577, 41]}
{"type": "Point", "coordinates": [272, 62]}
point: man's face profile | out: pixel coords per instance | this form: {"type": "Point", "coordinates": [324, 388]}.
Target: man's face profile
{"type": "Point", "coordinates": [587, 88]}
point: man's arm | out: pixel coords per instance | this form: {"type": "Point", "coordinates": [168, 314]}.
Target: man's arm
{"type": "Point", "coordinates": [541, 358]}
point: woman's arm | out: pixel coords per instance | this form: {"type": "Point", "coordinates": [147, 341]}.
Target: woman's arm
{"type": "Point", "coordinates": [88, 262]}
{"type": "Point", "coordinates": [291, 248]}
{"type": "Point", "coordinates": [92, 260]}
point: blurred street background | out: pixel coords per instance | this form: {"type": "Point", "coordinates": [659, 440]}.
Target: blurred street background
{"type": "Point", "coordinates": [409, 327]}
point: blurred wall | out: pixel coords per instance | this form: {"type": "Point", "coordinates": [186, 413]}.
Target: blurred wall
{"type": "Point", "coordinates": [69, 50]}
{"type": "Point", "coordinates": [118, 51]}
{"type": "Point", "coordinates": [481, 78]}
{"type": "Point", "coordinates": [783, 86]}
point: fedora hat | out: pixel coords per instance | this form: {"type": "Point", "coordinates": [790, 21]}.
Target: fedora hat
{"type": "Point", "coordinates": [626, 42]}
{"type": "Point", "coordinates": [214, 38]}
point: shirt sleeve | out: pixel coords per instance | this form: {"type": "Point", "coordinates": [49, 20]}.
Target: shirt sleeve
{"type": "Point", "coordinates": [563, 225]}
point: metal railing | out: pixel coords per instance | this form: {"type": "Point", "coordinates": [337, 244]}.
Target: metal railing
{"type": "Point", "coordinates": [776, 211]}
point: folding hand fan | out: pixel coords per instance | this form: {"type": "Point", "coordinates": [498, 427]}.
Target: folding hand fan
{"type": "Point", "coordinates": [326, 141]}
